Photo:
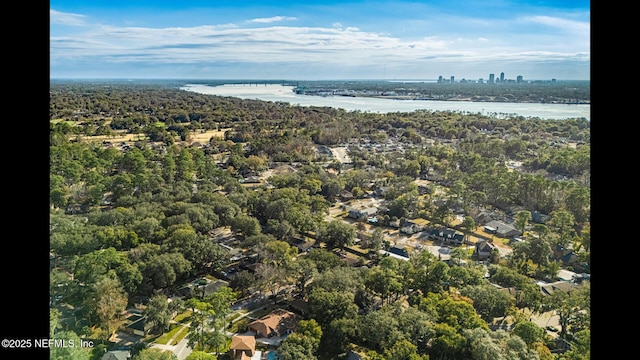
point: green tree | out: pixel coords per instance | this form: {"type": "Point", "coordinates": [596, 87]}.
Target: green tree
{"type": "Point", "coordinates": [158, 312]}
{"type": "Point", "coordinates": [580, 347]}
{"type": "Point", "coordinates": [499, 345]}
{"type": "Point", "coordinates": [305, 270]}
{"type": "Point", "coordinates": [562, 222]}
{"type": "Point", "coordinates": [529, 332]}
{"type": "Point", "coordinates": [468, 227]}
{"type": "Point", "coordinates": [154, 354]}
{"type": "Point", "coordinates": [246, 225]}
{"type": "Point", "coordinates": [200, 355]}
{"type": "Point", "coordinates": [578, 203]}
{"type": "Point", "coordinates": [489, 301]}
{"type": "Point", "coordinates": [454, 311]}
{"type": "Point", "coordinates": [279, 253]}
{"type": "Point", "coordinates": [91, 267]}
{"type": "Point", "coordinates": [383, 282]}
{"type": "Point", "coordinates": [243, 281]}
{"type": "Point", "coordinates": [522, 219]}
{"type": "Point", "coordinates": [374, 241]}
{"type": "Point", "coordinates": [297, 346]}
{"type": "Point", "coordinates": [109, 301]}
{"type": "Point", "coordinates": [326, 306]}
{"type": "Point", "coordinates": [163, 270]}
{"type": "Point", "coordinates": [73, 350]}
{"type": "Point", "coordinates": [457, 254]}
{"type": "Point", "coordinates": [573, 308]}
{"type": "Point", "coordinates": [404, 350]}
{"type": "Point", "coordinates": [201, 318]}
{"type": "Point", "coordinates": [447, 342]}
{"type": "Point", "coordinates": [324, 259]}
{"type": "Point", "coordinates": [337, 234]}
{"type": "Point", "coordinates": [379, 329]}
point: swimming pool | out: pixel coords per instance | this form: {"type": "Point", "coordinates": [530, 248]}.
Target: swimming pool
{"type": "Point", "coordinates": [272, 355]}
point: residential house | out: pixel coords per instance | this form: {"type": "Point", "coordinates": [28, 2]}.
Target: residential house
{"type": "Point", "coordinates": [549, 288]}
{"type": "Point", "coordinates": [482, 216]}
{"type": "Point", "coordinates": [137, 325]}
{"type": "Point", "coordinates": [446, 235]}
{"type": "Point", "coordinates": [501, 229]}
{"type": "Point", "coordinates": [566, 275]}
{"type": "Point", "coordinates": [396, 252]}
{"type": "Point", "coordinates": [509, 290]}
{"type": "Point", "coordinates": [539, 218]}
{"type": "Point", "coordinates": [116, 355]}
{"type": "Point", "coordinates": [213, 286]}
{"type": "Point", "coordinates": [346, 195]}
{"type": "Point", "coordinates": [253, 179]}
{"type": "Point", "coordinates": [356, 213]}
{"type": "Point", "coordinates": [399, 251]}
{"type": "Point", "coordinates": [414, 225]}
{"type": "Point", "coordinates": [243, 347]}
{"type": "Point", "coordinates": [567, 256]}
{"type": "Point", "coordinates": [279, 322]}
{"type": "Point", "coordinates": [381, 191]}
{"type": "Point", "coordinates": [484, 249]}
{"type": "Point", "coordinates": [302, 243]}
{"type": "Point", "coordinates": [351, 355]}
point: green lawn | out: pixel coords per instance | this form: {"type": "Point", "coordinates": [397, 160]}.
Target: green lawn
{"type": "Point", "coordinates": [181, 335]}
{"type": "Point", "coordinates": [164, 338]}
{"type": "Point", "coordinates": [184, 317]}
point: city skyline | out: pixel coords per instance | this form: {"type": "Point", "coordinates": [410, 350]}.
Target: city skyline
{"type": "Point", "coordinates": [320, 40]}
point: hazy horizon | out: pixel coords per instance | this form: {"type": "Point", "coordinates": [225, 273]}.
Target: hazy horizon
{"type": "Point", "coordinates": [320, 40]}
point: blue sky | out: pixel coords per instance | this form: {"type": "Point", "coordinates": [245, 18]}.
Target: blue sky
{"type": "Point", "coordinates": [320, 40]}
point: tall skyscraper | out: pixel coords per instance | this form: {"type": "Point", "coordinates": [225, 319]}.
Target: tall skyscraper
{"type": "Point", "coordinates": [501, 77]}
{"type": "Point", "coordinates": [491, 77]}
{"type": "Point", "coordinates": [452, 77]}
{"type": "Point", "coordinates": [519, 79]}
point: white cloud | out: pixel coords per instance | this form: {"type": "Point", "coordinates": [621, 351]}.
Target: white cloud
{"type": "Point", "coordinates": [333, 47]}
{"type": "Point", "coordinates": [57, 17]}
{"type": "Point", "coordinates": [271, 44]}
{"type": "Point", "coordinates": [563, 24]}
{"type": "Point", "coordinates": [272, 19]}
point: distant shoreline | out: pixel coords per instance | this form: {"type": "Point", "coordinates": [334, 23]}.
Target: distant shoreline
{"type": "Point", "coordinates": [352, 101]}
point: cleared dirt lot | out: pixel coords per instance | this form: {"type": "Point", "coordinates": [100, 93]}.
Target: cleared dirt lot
{"type": "Point", "coordinates": [119, 136]}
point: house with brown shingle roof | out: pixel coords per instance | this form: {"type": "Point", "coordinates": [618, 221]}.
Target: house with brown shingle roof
{"type": "Point", "coordinates": [242, 347]}
{"type": "Point", "coordinates": [279, 322]}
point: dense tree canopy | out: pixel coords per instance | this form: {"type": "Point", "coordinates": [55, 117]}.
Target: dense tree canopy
{"type": "Point", "coordinates": [143, 217]}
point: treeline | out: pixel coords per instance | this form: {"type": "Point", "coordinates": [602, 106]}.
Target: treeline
{"type": "Point", "coordinates": [536, 92]}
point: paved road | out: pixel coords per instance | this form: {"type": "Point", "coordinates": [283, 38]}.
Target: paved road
{"type": "Point", "coordinates": [181, 349]}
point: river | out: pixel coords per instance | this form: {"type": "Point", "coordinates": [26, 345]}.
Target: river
{"type": "Point", "coordinates": [275, 93]}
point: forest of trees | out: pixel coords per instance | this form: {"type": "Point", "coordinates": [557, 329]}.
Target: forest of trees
{"type": "Point", "coordinates": [136, 221]}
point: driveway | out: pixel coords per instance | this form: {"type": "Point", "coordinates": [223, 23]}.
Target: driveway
{"type": "Point", "coordinates": [181, 349]}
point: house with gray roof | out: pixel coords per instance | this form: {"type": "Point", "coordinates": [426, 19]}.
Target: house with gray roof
{"type": "Point", "coordinates": [117, 355]}
{"type": "Point", "coordinates": [502, 229]}
{"type": "Point", "coordinates": [484, 249]}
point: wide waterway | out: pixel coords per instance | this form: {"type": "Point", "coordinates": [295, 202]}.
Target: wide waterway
{"type": "Point", "coordinates": [275, 93]}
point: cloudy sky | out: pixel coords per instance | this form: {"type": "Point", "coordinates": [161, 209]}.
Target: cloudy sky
{"type": "Point", "coordinates": [316, 40]}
